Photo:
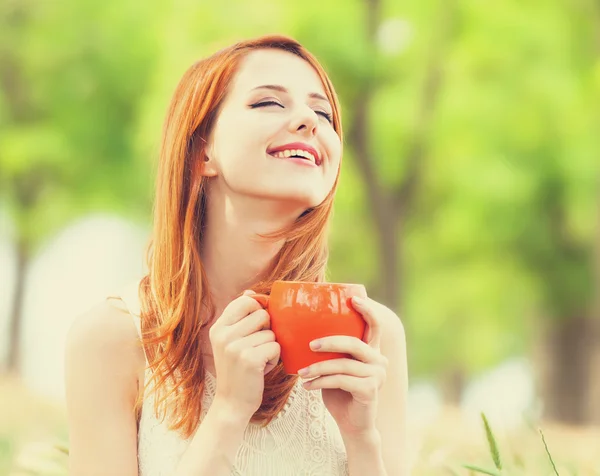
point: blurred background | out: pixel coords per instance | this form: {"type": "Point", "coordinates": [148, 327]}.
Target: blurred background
{"type": "Point", "coordinates": [469, 201]}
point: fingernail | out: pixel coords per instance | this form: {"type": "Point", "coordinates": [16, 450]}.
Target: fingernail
{"type": "Point", "coordinates": [303, 372]}
{"type": "Point", "coordinates": [247, 292]}
{"type": "Point", "coordinates": [358, 301]}
{"type": "Point", "coordinates": [315, 344]}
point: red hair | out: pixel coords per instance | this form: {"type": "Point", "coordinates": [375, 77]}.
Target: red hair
{"type": "Point", "coordinates": [176, 304]}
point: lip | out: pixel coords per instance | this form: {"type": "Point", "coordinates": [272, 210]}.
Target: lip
{"type": "Point", "coordinates": [297, 146]}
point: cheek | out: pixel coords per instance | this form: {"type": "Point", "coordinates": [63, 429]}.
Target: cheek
{"type": "Point", "coordinates": [235, 139]}
{"type": "Point", "coordinates": [334, 151]}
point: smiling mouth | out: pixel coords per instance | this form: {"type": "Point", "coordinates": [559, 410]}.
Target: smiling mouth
{"type": "Point", "coordinates": [295, 153]}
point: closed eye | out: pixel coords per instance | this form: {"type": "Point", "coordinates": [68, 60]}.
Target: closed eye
{"type": "Point", "coordinates": [274, 103]}
{"type": "Point", "coordinates": [265, 103]}
{"type": "Point", "coordinates": [326, 115]}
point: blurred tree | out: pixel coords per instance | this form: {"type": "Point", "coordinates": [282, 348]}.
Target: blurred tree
{"type": "Point", "coordinates": [513, 175]}
{"type": "Point", "coordinates": [561, 249]}
{"type": "Point", "coordinates": [392, 203]}
{"type": "Point", "coordinates": [392, 199]}
{"type": "Point", "coordinates": [504, 180]}
{"type": "Point", "coordinates": [72, 76]}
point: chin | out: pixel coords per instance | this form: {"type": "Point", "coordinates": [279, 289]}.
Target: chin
{"type": "Point", "coordinates": [296, 203]}
{"type": "Point", "coordinates": [303, 200]}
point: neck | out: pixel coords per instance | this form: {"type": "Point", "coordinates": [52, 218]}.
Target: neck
{"type": "Point", "coordinates": [234, 256]}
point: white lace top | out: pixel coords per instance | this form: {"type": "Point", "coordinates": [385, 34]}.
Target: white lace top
{"type": "Point", "coordinates": [303, 439]}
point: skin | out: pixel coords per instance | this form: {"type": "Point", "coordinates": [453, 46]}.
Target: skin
{"type": "Point", "coordinates": [249, 192]}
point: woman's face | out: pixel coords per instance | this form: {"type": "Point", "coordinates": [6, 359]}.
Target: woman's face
{"type": "Point", "coordinates": [276, 109]}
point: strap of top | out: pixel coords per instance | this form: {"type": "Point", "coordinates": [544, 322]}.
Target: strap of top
{"type": "Point", "coordinates": [130, 296]}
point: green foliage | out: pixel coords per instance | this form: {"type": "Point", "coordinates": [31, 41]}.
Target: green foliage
{"type": "Point", "coordinates": [73, 76]}
{"type": "Point", "coordinates": [502, 226]}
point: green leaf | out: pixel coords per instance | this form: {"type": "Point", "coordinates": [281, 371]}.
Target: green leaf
{"type": "Point", "coordinates": [492, 442]}
{"type": "Point", "coordinates": [477, 469]}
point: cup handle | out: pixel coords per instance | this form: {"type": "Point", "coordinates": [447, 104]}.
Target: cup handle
{"type": "Point", "coordinates": [262, 299]}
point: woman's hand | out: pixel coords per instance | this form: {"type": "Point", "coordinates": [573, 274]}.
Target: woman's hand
{"type": "Point", "coordinates": [350, 387]}
{"type": "Point", "coordinates": [244, 350]}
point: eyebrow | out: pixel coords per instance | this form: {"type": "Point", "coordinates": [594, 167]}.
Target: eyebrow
{"type": "Point", "coordinates": [277, 87]}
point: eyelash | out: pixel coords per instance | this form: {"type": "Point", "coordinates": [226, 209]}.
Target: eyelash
{"type": "Point", "coordinates": [273, 103]}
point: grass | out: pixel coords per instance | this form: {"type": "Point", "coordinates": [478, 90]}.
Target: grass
{"type": "Point", "coordinates": [453, 447]}
{"type": "Point", "coordinates": [31, 430]}
{"type": "Point", "coordinates": [33, 442]}
{"type": "Point", "coordinates": [495, 454]}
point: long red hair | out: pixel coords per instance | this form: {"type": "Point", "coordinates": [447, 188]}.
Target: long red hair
{"type": "Point", "coordinates": [174, 295]}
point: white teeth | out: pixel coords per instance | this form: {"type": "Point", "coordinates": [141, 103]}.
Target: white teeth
{"type": "Point", "coordinates": [300, 153]}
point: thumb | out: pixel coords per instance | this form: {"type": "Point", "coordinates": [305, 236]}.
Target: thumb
{"type": "Point", "coordinates": [248, 292]}
{"type": "Point", "coordinates": [368, 311]}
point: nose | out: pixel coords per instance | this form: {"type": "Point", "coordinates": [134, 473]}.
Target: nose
{"type": "Point", "coordinates": [305, 121]}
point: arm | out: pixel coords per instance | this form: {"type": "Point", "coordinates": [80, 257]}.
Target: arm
{"type": "Point", "coordinates": [103, 362]}
{"type": "Point", "coordinates": [214, 446]}
{"type": "Point", "coordinates": [391, 409]}
{"type": "Point", "coordinates": [365, 455]}
{"type": "Point", "coordinates": [383, 451]}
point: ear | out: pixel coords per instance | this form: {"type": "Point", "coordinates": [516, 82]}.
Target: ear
{"type": "Point", "coordinates": [208, 165]}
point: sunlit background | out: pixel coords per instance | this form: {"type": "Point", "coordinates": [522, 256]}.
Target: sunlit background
{"type": "Point", "coordinates": [469, 202]}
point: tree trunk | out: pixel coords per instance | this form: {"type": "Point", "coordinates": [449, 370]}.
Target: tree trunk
{"type": "Point", "coordinates": [593, 404]}
{"type": "Point", "coordinates": [453, 382]}
{"type": "Point", "coordinates": [390, 250]}
{"type": "Point", "coordinates": [593, 396]}
{"type": "Point", "coordinates": [565, 364]}
{"type": "Point", "coordinates": [16, 315]}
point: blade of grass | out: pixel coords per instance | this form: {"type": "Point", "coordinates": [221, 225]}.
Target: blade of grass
{"type": "Point", "coordinates": [452, 471]}
{"type": "Point", "coordinates": [62, 448]}
{"type": "Point", "coordinates": [477, 469]}
{"type": "Point", "coordinates": [548, 453]}
{"type": "Point", "coordinates": [492, 442]}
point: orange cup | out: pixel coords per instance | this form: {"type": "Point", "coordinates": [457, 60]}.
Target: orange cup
{"type": "Point", "coordinates": [302, 312]}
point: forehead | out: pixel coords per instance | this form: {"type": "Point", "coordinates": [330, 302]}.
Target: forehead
{"type": "Point", "coordinates": [272, 66]}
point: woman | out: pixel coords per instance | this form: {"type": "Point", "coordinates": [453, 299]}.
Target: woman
{"type": "Point", "coordinates": [248, 170]}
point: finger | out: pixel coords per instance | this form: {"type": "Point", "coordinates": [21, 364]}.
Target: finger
{"type": "Point", "coordinates": [367, 309]}
{"type": "Point", "coordinates": [256, 339]}
{"type": "Point", "coordinates": [337, 366]}
{"type": "Point", "coordinates": [250, 324]}
{"type": "Point", "coordinates": [272, 363]}
{"type": "Point", "coordinates": [267, 353]}
{"type": "Point", "coordinates": [363, 390]}
{"type": "Point", "coordinates": [237, 309]}
{"type": "Point", "coordinates": [347, 345]}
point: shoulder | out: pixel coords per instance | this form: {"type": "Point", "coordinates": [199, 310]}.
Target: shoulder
{"type": "Point", "coordinates": [392, 328]}
{"type": "Point", "coordinates": [106, 327]}
{"type": "Point", "coordinates": [103, 339]}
